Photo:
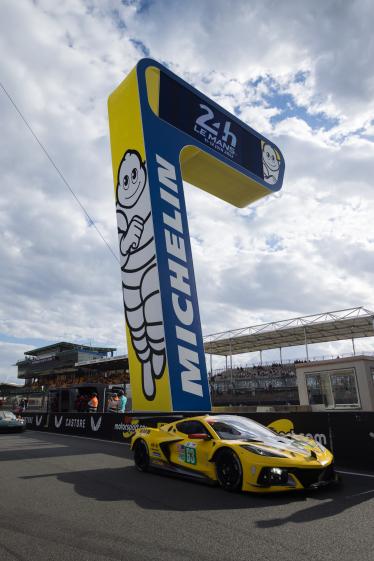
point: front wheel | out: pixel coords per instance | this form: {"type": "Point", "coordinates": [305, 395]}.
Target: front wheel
{"type": "Point", "coordinates": [141, 455]}
{"type": "Point", "coordinates": [229, 470]}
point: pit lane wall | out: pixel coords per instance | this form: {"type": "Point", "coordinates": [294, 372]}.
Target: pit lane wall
{"type": "Point", "coordinates": [350, 436]}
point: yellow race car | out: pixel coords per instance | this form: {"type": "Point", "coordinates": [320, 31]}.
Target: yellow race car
{"type": "Point", "coordinates": [235, 452]}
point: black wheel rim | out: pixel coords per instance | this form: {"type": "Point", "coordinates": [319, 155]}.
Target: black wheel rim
{"type": "Point", "coordinates": [228, 472]}
{"type": "Point", "coordinates": [141, 455]}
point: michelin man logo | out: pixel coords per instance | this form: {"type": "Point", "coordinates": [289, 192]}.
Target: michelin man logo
{"type": "Point", "coordinates": [270, 163]}
{"type": "Point", "coordinates": [140, 281]}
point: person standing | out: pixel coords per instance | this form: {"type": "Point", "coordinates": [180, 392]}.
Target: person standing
{"type": "Point", "coordinates": [113, 403]}
{"type": "Point", "coordinates": [22, 406]}
{"type": "Point", "coordinates": [93, 403]}
{"type": "Point", "coordinates": [122, 402]}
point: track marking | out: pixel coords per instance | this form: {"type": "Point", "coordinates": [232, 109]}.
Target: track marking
{"type": "Point", "coordinates": [355, 473]}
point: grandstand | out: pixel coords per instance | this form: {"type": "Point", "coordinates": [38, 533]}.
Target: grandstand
{"type": "Point", "coordinates": [319, 383]}
{"type": "Point", "coordinates": [64, 364]}
{"type": "Point", "coordinates": [295, 382]}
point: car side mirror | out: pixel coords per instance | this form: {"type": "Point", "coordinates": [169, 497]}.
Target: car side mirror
{"type": "Point", "coordinates": [199, 436]}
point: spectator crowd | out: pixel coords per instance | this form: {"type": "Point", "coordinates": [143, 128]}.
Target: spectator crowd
{"type": "Point", "coordinates": [270, 377]}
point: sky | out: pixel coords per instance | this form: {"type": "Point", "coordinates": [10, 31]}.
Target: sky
{"type": "Point", "coordinates": [299, 72]}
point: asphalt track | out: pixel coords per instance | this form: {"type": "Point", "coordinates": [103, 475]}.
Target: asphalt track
{"type": "Point", "coordinates": [67, 498]}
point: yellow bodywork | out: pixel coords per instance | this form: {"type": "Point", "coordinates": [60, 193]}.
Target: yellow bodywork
{"type": "Point", "coordinates": [168, 448]}
{"type": "Point", "coordinates": [126, 132]}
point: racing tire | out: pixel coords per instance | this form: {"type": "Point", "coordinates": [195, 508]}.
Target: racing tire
{"type": "Point", "coordinates": [141, 455]}
{"type": "Point", "coordinates": [229, 471]}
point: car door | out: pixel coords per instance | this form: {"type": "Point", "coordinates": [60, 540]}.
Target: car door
{"type": "Point", "coordinates": [191, 453]}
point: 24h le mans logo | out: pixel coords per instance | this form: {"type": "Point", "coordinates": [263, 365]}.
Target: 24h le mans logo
{"type": "Point", "coordinates": [211, 131]}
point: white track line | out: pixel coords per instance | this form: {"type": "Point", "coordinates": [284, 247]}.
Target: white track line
{"type": "Point", "coordinates": [354, 473]}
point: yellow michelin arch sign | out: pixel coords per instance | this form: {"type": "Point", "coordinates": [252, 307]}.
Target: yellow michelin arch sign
{"type": "Point", "coordinates": [163, 131]}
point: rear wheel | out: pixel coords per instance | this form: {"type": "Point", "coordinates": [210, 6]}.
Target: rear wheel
{"type": "Point", "coordinates": [229, 470]}
{"type": "Point", "coordinates": [141, 455]}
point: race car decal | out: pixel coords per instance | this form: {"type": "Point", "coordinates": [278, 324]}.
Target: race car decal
{"type": "Point", "coordinates": [187, 453]}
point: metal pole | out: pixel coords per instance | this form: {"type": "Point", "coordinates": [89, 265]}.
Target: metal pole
{"type": "Point", "coordinates": [280, 354]}
{"type": "Point", "coordinates": [261, 358]}
{"type": "Point", "coordinates": [306, 344]}
{"type": "Point", "coordinates": [353, 345]}
{"type": "Point", "coordinates": [211, 364]}
{"type": "Point", "coordinates": [231, 361]}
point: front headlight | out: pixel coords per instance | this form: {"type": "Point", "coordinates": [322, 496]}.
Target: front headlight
{"type": "Point", "coordinates": [263, 451]}
{"type": "Point", "coordinates": [274, 476]}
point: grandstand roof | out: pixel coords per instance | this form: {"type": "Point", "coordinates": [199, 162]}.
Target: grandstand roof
{"type": "Point", "coordinates": [351, 323]}
{"type": "Point", "coordinates": [107, 363]}
{"type": "Point", "coordinates": [64, 346]}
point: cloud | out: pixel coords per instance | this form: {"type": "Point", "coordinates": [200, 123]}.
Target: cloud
{"type": "Point", "coordinates": [10, 353]}
{"type": "Point", "coordinates": [298, 72]}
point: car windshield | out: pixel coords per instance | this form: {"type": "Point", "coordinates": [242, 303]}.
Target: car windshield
{"type": "Point", "coordinates": [7, 415]}
{"type": "Point", "coordinates": [230, 427]}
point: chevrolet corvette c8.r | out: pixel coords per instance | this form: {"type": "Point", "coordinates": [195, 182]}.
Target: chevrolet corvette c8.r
{"type": "Point", "coordinates": [235, 452]}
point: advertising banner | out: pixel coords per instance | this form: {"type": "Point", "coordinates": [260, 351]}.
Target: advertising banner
{"type": "Point", "coordinates": [312, 425]}
{"type": "Point", "coordinates": [353, 436]}
{"type": "Point", "coordinates": [37, 421]}
{"type": "Point", "coordinates": [76, 423]}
